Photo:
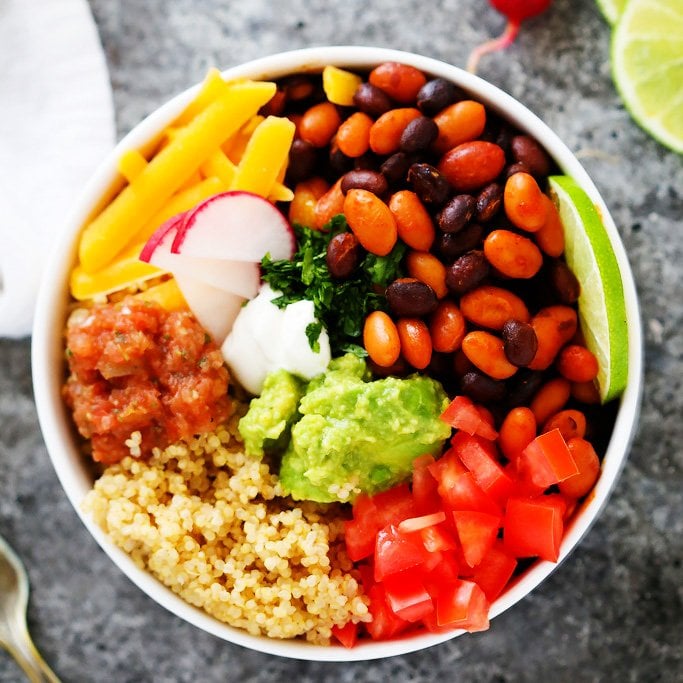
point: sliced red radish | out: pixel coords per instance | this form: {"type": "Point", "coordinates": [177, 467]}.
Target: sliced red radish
{"type": "Point", "coordinates": [239, 277]}
{"type": "Point", "coordinates": [215, 309]}
{"type": "Point", "coordinates": [238, 226]}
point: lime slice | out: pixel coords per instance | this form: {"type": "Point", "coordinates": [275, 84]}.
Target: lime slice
{"type": "Point", "coordinates": [647, 65]}
{"type": "Point", "coordinates": [611, 9]}
{"type": "Point", "coordinates": [602, 309]}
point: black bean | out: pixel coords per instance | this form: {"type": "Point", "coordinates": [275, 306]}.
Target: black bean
{"type": "Point", "coordinates": [303, 157]}
{"type": "Point", "coordinates": [429, 184]}
{"type": "Point", "coordinates": [466, 272]}
{"type": "Point", "coordinates": [456, 213]}
{"type": "Point", "coordinates": [361, 179]}
{"type": "Point", "coordinates": [450, 245]}
{"type": "Point", "coordinates": [564, 282]}
{"type": "Point", "coordinates": [522, 387]}
{"type": "Point", "coordinates": [489, 201]}
{"type": "Point", "coordinates": [367, 161]}
{"type": "Point", "coordinates": [519, 342]}
{"type": "Point", "coordinates": [297, 87]}
{"type": "Point", "coordinates": [526, 150]}
{"type": "Point", "coordinates": [436, 95]}
{"type": "Point", "coordinates": [395, 168]}
{"type": "Point", "coordinates": [517, 167]}
{"type": "Point", "coordinates": [343, 255]}
{"type": "Point", "coordinates": [410, 298]}
{"type": "Point", "coordinates": [418, 135]}
{"type": "Point", "coordinates": [339, 162]}
{"type": "Point", "coordinates": [371, 100]}
{"type": "Point", "coordinates": [482, 388]}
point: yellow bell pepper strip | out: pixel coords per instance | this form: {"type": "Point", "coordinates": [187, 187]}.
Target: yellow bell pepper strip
{"type": "Point", "coordinates": [265, 155]}
{"type": "Point", "coordinates": [121, 221]}
{"type": "Point", "coordinates": [340, 85]}
{"type": "Point", "coordinates": [131, 164]}
{"type": "Point", "coordinates": [167, 294]}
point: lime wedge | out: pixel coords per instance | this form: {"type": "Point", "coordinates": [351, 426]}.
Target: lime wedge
{"type": "Point", "coordinates": [602, 309]}
{"type": "Point", "coordinates": [647, 65]}
{"type": "Point", "coordinates": [611, 9]}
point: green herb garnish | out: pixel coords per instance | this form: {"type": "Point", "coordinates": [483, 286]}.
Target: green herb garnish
{"type": "Point", "coordinates": [340, 306]}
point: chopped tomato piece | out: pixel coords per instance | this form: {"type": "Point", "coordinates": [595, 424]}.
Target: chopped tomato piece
{"type": "Point", "coordinates": [461, 413]}
{"type": "Point", "coordinates": [479, 456]}
{"type": "Point", "coordinates": [548, 459]}
{"type": "Point", "coordinates": [463, 493]}
{"type": "Point", "coordinates": [395, 552]}
{"type": "Point", "coordinates": [477, 531]}
{"type": "Point", "coordinates": [394, 505]}
{"type": "Point", "coordinates": [522, 486]}
{"type": "Point", "coordinates": [441, 576]}
{"type": "Point", "coordinates": [385, 624]}
{"type": "Point", "coordinates": [438, 537]}
{"type": "Point", "coordinates": [464, 606]}
{"type": "Point", "coordinates": [494, 571]}
{"type": "Point", "coordinates": [372, 513]}
{"type": "Point", "coordinates": [408, 526]}
{"type": "Point", "coordinates": [425, 495]}
{"type": "Point", "coordinates": [407, 596]}
{"type": "Point", "coordinates": [346, 634]}
{"type": "Point", "coordinates": [533, 527]}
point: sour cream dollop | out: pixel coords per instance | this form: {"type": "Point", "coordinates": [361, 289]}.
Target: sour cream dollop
{"type": "Point", "coordinates": [265, 338]}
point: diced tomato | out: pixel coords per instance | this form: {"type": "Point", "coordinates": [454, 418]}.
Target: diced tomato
{"type": "Point", "coordinates": [441, 576]}
{"type": "Point", "coordinates": [461, 413]}
{"type": "Point", "coordinates": [425, 495]}
{"type": "Point", "coordinates": [479, 456]}
{"type": "Point", "coordinates": [394, 505]}
{"type": "Point", "coordinates": [463, 493]}
{"type": "Point", "coordinates": [438, 537]}
{"type": "Point", "coordinates": [476, 531]}
{"type": "Point", "coordinates": [385, 624]}
{"type": "Point", "coordinates": [549, 459]}
{"type": "Point", "coordinates": [367, 574]}
{"type": "Point", "coordinates": [396, 552]}
{"type": "Point", "coordinates": [522, 486]}
{"type": "Point", "coordinates": [360, 539]}
{"type": "Point", "coordinates": [494, 571]}
{"type": "Point", "coordinates": [463, 606]}
{"type": "Point", "coordinates": [533, 527]}
{"type": "Point", "coordinates": [413, 524]}
{"type": "Point", "coordinates": [372, 513]}
{"type": "Point", "coordinates": [407, 596]}
{"type": "Point", "coordinates": [346, 634]}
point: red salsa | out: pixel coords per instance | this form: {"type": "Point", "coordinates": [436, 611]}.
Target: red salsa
{"type": "Point", "coordinates": [135, 367]}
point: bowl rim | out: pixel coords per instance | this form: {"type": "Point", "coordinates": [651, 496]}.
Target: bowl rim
{"type": "Point", "coordinates": [47, 357]}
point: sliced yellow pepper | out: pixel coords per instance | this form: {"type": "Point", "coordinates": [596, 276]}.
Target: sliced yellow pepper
{"type": "Point", "coordinates": [121, 221]}
{"type": "Point", "coordinates": [166, 294]}
{"type": "Point", "coordinates": [265, 155]}
{"type": "Point", "coordinates": [127, 271]}
{"type": "Point", "coordinates": [339, 85]}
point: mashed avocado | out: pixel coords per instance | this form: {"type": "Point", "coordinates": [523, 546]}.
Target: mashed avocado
{"type": "Point", "coordinates": [352, 434]}
{"type": "Point", "coordinates": [265, 428]}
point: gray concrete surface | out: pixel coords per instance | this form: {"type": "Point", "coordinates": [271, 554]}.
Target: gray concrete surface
{"type": "Point", "coordinates": [614, 610]}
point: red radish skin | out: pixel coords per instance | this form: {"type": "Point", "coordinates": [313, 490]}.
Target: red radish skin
{"type": "Point", "coordinates": [516, 12]}
{"type": "Point", "coordinates": [238, 226]}
{"type": "Point", "coordinates": [238, 277]}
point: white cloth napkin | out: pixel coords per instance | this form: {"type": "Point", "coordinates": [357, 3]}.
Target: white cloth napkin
{"type": "Point", "coordinates": [56, 124]}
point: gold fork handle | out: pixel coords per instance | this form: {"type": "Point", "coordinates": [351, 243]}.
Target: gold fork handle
{"type": "Point", "coordinates": [21, 648]}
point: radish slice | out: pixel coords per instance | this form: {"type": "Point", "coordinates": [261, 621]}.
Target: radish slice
{"type": "Point", "coordinates": [215, 309]}
{"type": "Point", "coordinates": [239, 277]}
{"type": "Point", "coordinates": [237, 226]}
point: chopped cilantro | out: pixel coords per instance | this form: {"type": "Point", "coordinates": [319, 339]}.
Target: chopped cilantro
{"type": "Point", "coordinates": [341, 306]}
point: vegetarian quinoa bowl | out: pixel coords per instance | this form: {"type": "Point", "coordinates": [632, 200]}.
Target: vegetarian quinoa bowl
{"type": "Point", "coordinates": [339, 355]}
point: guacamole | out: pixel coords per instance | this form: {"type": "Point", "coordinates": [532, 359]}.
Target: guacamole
{"type": "Point", "coordinates": [353, 434]}
{"type": "Point", "coordinates": [265, 428]}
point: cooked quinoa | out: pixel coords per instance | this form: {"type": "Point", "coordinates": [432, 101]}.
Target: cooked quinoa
{"type": "Point", "coordinates": [210, 523]}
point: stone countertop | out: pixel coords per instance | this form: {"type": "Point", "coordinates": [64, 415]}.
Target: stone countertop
{"type": "Point", "coordinates": [614, 610]}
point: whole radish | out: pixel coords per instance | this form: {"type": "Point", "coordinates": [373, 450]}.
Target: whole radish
{"type": "Point", "coordinates": [516, 12]}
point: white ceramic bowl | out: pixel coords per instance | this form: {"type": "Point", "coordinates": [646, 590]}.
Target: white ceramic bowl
{"type": "Point", "coordinates": [48, 369]}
